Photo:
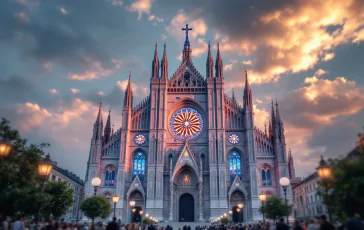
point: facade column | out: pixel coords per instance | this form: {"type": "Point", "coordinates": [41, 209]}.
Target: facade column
{"type": "Point", "coordinates": [200, 187]}
{"type": "Point", "coordinates": [171, 203]}
{"type": "Point", "coordinates": [171, 191]}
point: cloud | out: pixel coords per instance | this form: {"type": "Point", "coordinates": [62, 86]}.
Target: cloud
{"type": "Point", "coordinates": [101, 93]}
{"type": "Point", "coordinates": [282, 37]}
{"type": "Point", "coordinates": [320, 72]}
{"type": "Point", "coordinates": [247, 62]}
{"type": "Point", "coordinates": [32, 115]}
{"type": "Point", "coordinates": [75, 91]}
{"type": "Point", "coordinates": [21, 16]}
{"type": "Point", "coordinates": [156, 19]}
{"type": "Point", "coordinates": [96, 70]}
{"type": "Point", "coordinates": [117, 2]}
{"type": "Point", "coordinates": [53, 91]}
{"type": "Point", "coordinates": [141, 6]}
{"type": "Point", "coordinates": [63, 11]}
{"type": "Point", "coordinates": [229, 67]}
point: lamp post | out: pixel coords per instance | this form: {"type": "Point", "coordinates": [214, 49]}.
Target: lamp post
{"type": "Point", "coordinates": [96, 183]}
{"type": "Point", "coordinates": [284, 182]}
{"type": "Point", "coordinates": [324, 171]}
{"type": "Point", "coordinates": [132, 203]}
{"type": "Point", "coordinates": [5, 148]}
{"type": "Point", "coordinates": [141, 215]}
{"type": "Point", "coordinates": [240, 206]}
{"type": "Point", "coordinates": [115, 199]}
{"type": "Point", "coordinates": [44, 169]}
{"type": "Point", "coordinates": [238, 210]}
{"type": "Point", "coordinates": [262, 198]}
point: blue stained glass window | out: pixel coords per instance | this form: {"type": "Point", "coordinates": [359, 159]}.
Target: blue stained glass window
{"type": "Point", "coordinates": [234, 163]}
{"type": "Point", "coordinates": [139, 165]}
{"type": "Point", "coordinates": [266, 177]}
{"type": "Point", "coordinates": [107, 178]}
{"type": "Point", "coordinates": [269, 182]}
{"type": "Point", "coordinates": [263, 177]}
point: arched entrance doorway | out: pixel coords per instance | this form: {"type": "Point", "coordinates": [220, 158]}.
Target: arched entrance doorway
{"type": "Point", "coordinates": [237, 198]}
{"type": "Point", "coordinates": [136, 217]}
{"type": "Point", "coordinates": [186, 208]}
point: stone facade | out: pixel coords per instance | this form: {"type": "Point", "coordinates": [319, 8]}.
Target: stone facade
{"type": "Point", "coordinates": [306, 200]}
{"type": "Point", "coordinates": [74, 182]}
{"type": "Point", "coordinates": [216, 154]}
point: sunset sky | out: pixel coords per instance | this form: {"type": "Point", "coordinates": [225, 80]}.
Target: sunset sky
{"type": "Point", "coordinates": [59, 58]}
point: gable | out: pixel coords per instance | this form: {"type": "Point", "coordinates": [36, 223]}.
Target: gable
{"type": "Point", "coordinates": [186, 158]}
{"type": "Point", "coordinates": [187, 76]}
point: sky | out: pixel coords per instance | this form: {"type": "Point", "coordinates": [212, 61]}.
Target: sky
{"type": "Point", "coordinates": [60, 58]}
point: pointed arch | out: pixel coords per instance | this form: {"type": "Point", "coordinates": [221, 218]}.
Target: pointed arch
{"type": "Point", "coordinates": [234, 164]}
{"type": "Point", "coordinates": [109, 175]}
{"type": "Point", "coordinates": [139, 164]}
{"type": "Point", "coordinates": [266, 172]}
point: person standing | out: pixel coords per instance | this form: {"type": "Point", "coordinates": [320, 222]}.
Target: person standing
{"type": "Point", "coordinates": [281, 225]}
{"type": "Point", "coordinates": [325, 225]}
{"type": "Point", "coordinates": [19, 224]}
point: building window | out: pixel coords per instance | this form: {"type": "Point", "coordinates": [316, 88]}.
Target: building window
{"type": "Point", "coordinates": [139, 165]}
{"type": "Point", "coordinates": [266, 177]}
{"type": "Point", "coordinates": [234, 163]}
{"type": "Point", "coordinates": [53, 178]}
{"type": "Point", "coordinates": [110, 177]}
{"type": "Point", "coordinates": [59, 180]}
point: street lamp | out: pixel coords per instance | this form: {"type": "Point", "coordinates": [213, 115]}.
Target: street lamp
{"type": "Point", "coordinates": [115, 199]}
{"type": "Point", "coordinates": [240, 206]}
{"type": "Point", "coordinates": [141, 215]}
{"type": "Point", "coordinates": [284, 182]}
{"type": "Point", "coordinates": [324, 171]}
{"type": "Point", "coordinates": [146, 215]}
{"type": "Point", "coordinates": [44, 169]}
{"type": "Point", "coordinates": [262, 198]}
{"type": "Point", "coordinates": [224, 214]}
{"type": "Point", "coordinates": [5, 147]}
{"type": "Point", "coordinates": [96, 183]}
{"type": "Point", "coordinates": [238, 210]}
{"type": "Point", "coordinates": [132, 203]}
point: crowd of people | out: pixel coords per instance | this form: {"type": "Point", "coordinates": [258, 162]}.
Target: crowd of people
{"type": "Point", "coordinates": [320, 223]}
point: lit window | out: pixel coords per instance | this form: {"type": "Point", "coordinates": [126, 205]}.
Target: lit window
{"type": "Point", "coordinates": [234, 164]}
{"type": "Point", "coordinates": [110, 177]}
{"type": "Point", "coordinates": [139, 165]}
{"type": "Point", "coordinates": [266, 177]}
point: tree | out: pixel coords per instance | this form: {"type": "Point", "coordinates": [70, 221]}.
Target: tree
{"type": "Point", "coordinates": [96, 206]}
{"type": "Point", "coordinates": [19, 174]}
{"type": "Point", "coordinates": [61, 198]}
{"type": "Point", "coordinates": [225, 220]}
{"type": "Point", "coordinates": [343, 192]}
{"type": "Point", "coordinates": [275, 208]}
{"type": "Point", "coordinates": [147, 221]}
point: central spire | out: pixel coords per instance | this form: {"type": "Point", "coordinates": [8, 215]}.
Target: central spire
{"type": "Point", "coordinates": [187, 47]}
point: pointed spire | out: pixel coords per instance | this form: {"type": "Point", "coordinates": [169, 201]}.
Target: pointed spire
{"type": "Point", "coordinates": [290, 158]}
{"type": "Point", "coordinates": [233, 95]}
{"type": "Point", "coordinates": [97, 135]}
{"type": "Point", "coordinates": [218, 63]}
{"type": "Point", "coordinates": [270, 129]}
{"type": "Point", "coordinates": [278, 118]}
{"type": "Point", "coordinates": [164, 64]}
{"type": "Point", "coordinates": [187, 52]}
{"type": "Point", "coordinates": [112, 130]}
{"type": "Point", "coordinates": [265, 129]}
{"type": "Point", "coordinates": [272, 115]}
{"type": "Point", "coordinates": [107, 130]}
{"type": "Point", "coordinates": [248, 99]}
{"type": "Point", "coordinates": [128, 99]}
{"type": "Point", "coordinates": [209, 64]}
{"type": "Point", "coordinates": [155, 63]}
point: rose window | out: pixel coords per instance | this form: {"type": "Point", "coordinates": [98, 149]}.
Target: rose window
{"type": "Point", "coordinates": [186, 123]}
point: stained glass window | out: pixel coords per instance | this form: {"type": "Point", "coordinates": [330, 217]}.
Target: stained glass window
{"type": "Point", "coordinates": [234, 165]}
{"type": "Point", "coordinates": [139, 165]}
{"type": "Point", "coordinates": [266, 178]}
{"type": "Point", "coordinates": [109, 178]}
{"type": "Point", "coordinates": [186, 123]}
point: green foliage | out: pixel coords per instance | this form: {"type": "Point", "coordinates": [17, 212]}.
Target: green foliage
{"type": "Point", "coordinates": [225, 220]}
{"type": "Point", "coordinates": [275, 208]}
{"type": "Point", "coordinates": [96, 206]}
{"type": "Point", "coordinates": [146, 221]}
{"type": "Point", "coordinates": [61, 198]}
{"type": "Point", "coordinates": [343, 192]}
{"type": "Point", "coordinates": [19, 180]}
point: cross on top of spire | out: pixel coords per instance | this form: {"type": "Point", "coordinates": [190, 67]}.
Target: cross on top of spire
{"type": "Point", "coordinates": [187, 42]}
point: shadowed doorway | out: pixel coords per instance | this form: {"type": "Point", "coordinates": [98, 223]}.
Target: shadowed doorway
{"type": "Point", "coordinates": [186, 208]}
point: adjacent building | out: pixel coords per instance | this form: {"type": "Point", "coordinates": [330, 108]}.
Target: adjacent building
{"type": "Point", "coordinates": [306, 200]}
{"type": "Point", "coordinates": [74, 182]}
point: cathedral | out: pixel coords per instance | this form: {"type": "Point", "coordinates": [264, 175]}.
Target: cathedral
{"type": "Point", "coordinates": [188, 152]}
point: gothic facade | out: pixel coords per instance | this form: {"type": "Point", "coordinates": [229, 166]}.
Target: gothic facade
{"type": "Point", "coordinates": [188, 152]}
